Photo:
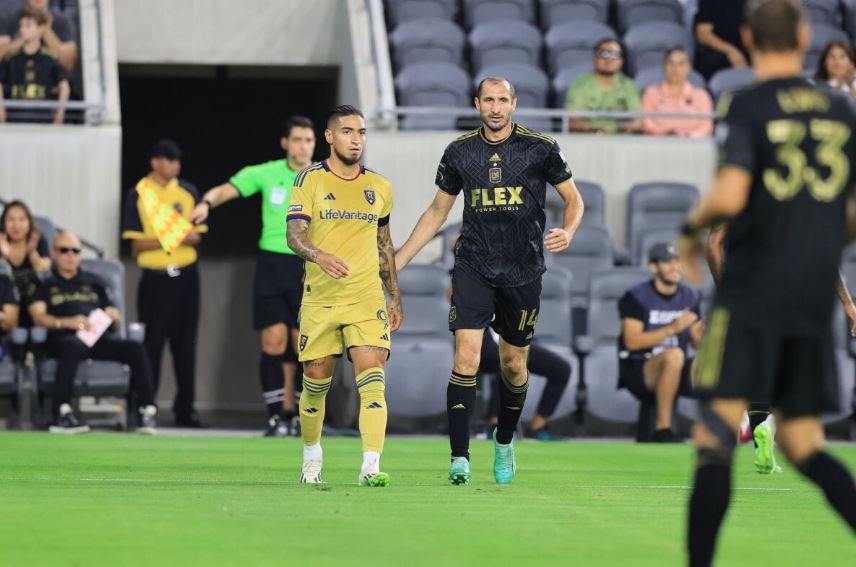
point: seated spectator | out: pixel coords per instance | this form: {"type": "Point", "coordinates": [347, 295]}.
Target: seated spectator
{"type": "Point", "coordinates": [30, 72]}
{"type": "Point", "coordinates": [26, 251]}
{"type": "Point", "coordinates": [659, 320]}
{"type": "Point", "coordinates": [717, 32]}
{"type": "Point", "coordinates": [541, 361]}
{"type": "Point", "coordinates": [836, 68]}
{"type": "Point", "coordinates": [62, 304]}
{"type": "Point", "coordinates": [677, 94]}
{"type": "Point", "coordinates": [9, 306]}
{"type": "Point", "coordinates": [605, 88]}
{"type": "Point", "coordinates": [58, 34]}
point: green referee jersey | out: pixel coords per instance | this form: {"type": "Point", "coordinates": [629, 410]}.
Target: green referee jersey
{"type": "Point", "coordinates": [274, 179]}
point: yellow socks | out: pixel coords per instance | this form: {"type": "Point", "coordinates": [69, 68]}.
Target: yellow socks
{"type": "Point", "coordinates": [312, 405]}
{"type": "Point", "coordinates": [370, 385]}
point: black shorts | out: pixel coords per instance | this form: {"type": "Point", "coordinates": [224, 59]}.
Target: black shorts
{"type": "Point", "coordinates": [277, 290]}
{"type": "Point", "coordinates": [797, 375]}
{"type": "Point", "coordinates": [511, 311]}
{"type": "Point", "coordinates": [632, 377]}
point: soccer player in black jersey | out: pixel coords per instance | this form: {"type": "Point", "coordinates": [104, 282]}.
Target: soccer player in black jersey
{"type": "Point", "coordinates": [503, 170]}
{"type": "Point", "coordinates": [783, 185]}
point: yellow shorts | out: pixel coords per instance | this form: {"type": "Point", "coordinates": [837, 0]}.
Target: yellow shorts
{"type": "Point", "coordinates": [326, 330]}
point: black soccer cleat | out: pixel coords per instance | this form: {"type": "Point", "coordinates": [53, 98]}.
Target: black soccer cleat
{"type": "Point", "coordinates": [277, 427]}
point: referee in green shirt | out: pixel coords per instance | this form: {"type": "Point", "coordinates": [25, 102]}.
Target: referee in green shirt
{"type": "Point", "coordinates": [278, 282]}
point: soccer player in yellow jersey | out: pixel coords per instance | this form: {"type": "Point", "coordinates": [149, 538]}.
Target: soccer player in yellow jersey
{"type": "Point", "coordinates": [338, 221]}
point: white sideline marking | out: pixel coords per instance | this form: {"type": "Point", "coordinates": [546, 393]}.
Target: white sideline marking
{"type": "Point", "coordinates": [289, 483]}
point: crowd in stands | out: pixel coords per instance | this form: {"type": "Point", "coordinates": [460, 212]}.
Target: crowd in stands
{"type": "Point", "coordinates": [38, 58]}
{"type": "Point", "coordinates": [605, 56]}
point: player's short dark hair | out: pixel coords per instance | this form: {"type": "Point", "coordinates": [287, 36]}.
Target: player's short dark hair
{"type": "Point", "coordinates": [342, 111]}
{"type": "Point", "coordinates": [41, 18]}
{"type": "Point", "coordinates": [296, 121]}
{"type": "Point", "coordinates": [511, 88]}
{"type": "Point", "coordinates": [599, 45]}
{"type": "Point", "coordinates": [774, 23]}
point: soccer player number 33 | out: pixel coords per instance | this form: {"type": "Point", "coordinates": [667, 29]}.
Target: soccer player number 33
{"type": "Point", "coordinates": [788, 135]}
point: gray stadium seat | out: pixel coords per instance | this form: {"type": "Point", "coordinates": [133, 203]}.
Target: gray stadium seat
{"type": "Point", "coordinates": [593, 198]}
{"type": "Point", "coordinates": [657, 205]}
{"type": "Point", "coordinates": [632, 13]}
{"type": "Point", "coordinates": [590, 252]}
{"type": "Point", "coordinates": [429, 40]}
{"type": "Point", "coordinates": [97, 378]}
{"type": "Point", "coordinates": [422, 343]}
{"type": "Point", "coordinates": [730, 80]}
{"type": "Point", "coordinates": [402, 10]}
{"type": "Point", "coordinates": [532, 87]}
{"type": "Point", "coordinates": [647, 43]}
{"type": "Point", "coordinates": [654, 76]}
{"type": "Point", "coordinates": [600, 346]}
{"type": "Point", "coordinates": [505, 41]}
{"type": "Point", "coordinates": [821, 35]}
{"type": "Point", "coordinates": [432, 84]}
{"type": "Point", "coordinates": [554, 12]}
{"type": "Point", "coordinates": [572, 43]}
{"type": "Point", "coordinates": [46, 229]}
{"type": "Point", "coordinates": [447, 258]}
{"type": "Point", "coordinates": [823, 11]}
{"type": "Point", "coordinates": [477, 12]}
{"type": "Point", "coordinates": [565, 78]}
{"type": "Point", "coordinates": [554, 332]}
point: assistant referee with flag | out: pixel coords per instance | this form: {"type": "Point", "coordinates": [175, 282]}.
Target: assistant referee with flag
{"type": "Point", "coordinates": [157, 222]}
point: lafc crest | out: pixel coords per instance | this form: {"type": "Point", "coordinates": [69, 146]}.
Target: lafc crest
{"type": "Point", "coordinates": [495, 174]}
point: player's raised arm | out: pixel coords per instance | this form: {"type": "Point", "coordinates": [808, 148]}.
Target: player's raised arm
{"type": "Point", "coordinates": [426, 228]}
{"type": "Point", "coordinates": [298, 240]}
{"type": "Point", "coordinates": [389, 276]}
{"type": "Point", "coordinates": [211, 199]}
{"type": "Point", "coordinates": [559, 239]}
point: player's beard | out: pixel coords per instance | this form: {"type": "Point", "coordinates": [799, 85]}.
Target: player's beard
{"type": "Point", "coordinates": [503, 124]}
{"type": "Point", "coordinates": [346, 159]}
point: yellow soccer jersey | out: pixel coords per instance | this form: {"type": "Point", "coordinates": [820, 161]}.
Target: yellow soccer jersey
{"type": "Point", "coordinates": [343, 216]}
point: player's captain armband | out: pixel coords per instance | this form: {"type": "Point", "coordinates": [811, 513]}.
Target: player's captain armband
{"type": "Point", "coordinates": [295, 209]}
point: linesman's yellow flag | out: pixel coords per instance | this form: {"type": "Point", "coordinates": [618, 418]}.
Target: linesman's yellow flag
{"type": "Point", "coordinates": [170, 227]}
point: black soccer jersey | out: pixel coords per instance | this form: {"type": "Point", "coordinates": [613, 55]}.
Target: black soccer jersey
{"type": "Point", "coordinates": [504, 185]}
{"type": "Point", "coordinates": [79, 295]}
{"type": "Point", "coordinates": [783, 249]}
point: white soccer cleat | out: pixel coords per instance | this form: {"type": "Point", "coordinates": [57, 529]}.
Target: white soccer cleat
{"type": "Point", "coordinates": [370, 473]}
{"type": "Point", "coordinates": [311, 473]}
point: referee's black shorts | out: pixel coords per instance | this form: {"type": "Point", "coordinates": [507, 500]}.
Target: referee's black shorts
{"type": "Point", "coordinates": [277, 289]}
{"type": "Point", "coordinates": [797, 375]}
{"type": "Point", "coordinates": [511, 311]}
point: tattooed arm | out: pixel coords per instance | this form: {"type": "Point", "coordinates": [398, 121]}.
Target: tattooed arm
{"type": "Point", "coordinates": [298, 240]}
{"type": "Point", "coordinates": [389, 276]}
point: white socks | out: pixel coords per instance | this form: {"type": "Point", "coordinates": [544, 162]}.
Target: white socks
{"type": "Point", "coordinates": [312, 452]}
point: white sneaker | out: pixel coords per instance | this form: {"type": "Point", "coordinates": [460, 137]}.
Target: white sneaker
{"type": "Point", "coordinates": [311, 473]}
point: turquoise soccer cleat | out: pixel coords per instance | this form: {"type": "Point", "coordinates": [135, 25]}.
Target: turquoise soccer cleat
{"type": "Point", "coordinates": [504, 463]}
{"type": "Point", "coordinates": [459, 473]}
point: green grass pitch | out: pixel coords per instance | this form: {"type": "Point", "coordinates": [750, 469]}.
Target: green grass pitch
{"type": "Point", "coordinates": [108, 499]}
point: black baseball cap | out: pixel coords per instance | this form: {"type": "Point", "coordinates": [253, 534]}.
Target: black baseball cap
{"type": "Point", "coordinates": [166, 148]}
{"type": "Point", "coordinates": [662, 252]}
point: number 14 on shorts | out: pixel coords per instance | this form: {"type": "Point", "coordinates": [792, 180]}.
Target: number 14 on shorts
{"type": "Point", "coordinates": [527, 318]}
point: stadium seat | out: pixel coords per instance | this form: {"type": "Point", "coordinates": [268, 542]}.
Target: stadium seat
{"type": "Point", "coordinates": [402, 10]}
{"type": "Point", "coordinates": [599, 347]}
{"type": "Point", "coordinates": [657, 205]}
{"type": "Point", "coordinates": [429, 40]}
{"type": "Point", "coordinates": [532, 87]}
{"type": "Point", "coordinates": [423, 343]}
{"type": "Point", "coordinates": [100, 378]}
{"type": "Point", "coordinates": [654, 76]}
{"type": "Point", "coordinates": [572, 43]}
{"type": "Point", "coordinates": [821, 35]}
{"type": "Point", "coordinates": [593, 198]}
{"type": "Point", "coordinates": [554, 332]}
{"type": "Point", "coordinates": [632, 13]}
{"type": "Point", "coordinates": [432, 84]}
{"type": "Point", "coordinates": [844, 351]}
{"type": "Point", "coordinates": [46, 228]}
{"type": "Point", "coordinates": [648, 43]}
{"type": "Point", "coordinates": [565, 78]}
{"type": "Point", "coordinates": [477, 12]}
{"type": "Point", "coordinates": [729, 80]}
{"type": "Point", "coordinates": [505, 41]}
{"type": "Point", "coordinates": [590, 252]}
{"type": "Point", "coordinates": [823, 11]}
{"type": "Point", "coordinates": [555, 12]}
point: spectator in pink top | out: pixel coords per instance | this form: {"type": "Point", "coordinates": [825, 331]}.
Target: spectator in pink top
{"type": "Point", "coordinates": [677, 94]}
